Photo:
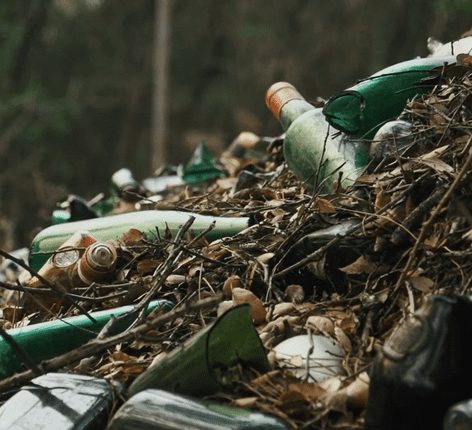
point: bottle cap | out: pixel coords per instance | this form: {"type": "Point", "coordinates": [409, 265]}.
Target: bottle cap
{"type": "Point", "coordinates": [97, 263]}
{"type": "Point", "coordinates": [279, 94]}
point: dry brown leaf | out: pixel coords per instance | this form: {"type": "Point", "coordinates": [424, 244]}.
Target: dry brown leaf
{"type": "Point", "coordinates": [283, 308]}
{"type": "Point", "coordinates": [361, 265]}
{"type": "Point", "coordinates": [325, 206]}
{"type": "Point", "coordinates": [358, 391]}
{"type": "Point", "coordinates": [323, 324]}
{"type": "Point", "coordinates": [122, 356]}
{"type": "Point", "coordinates": [241, 296]}
{"type": "Point", "coordinates": [131, 237]}
{"type": "Point", "coordinates": [438, 165]}
{"type": "Point", "coordinates": [147, 266]}
{"type": "Point", "coordinates": [312, 391]}
{"type": "Point", "coordinates": [176, 279]}
{"type": "Point", "coordinates": [421, 283]}
{"type": "Point", "coordinates": [292, 401]}
{"type": "Point", "coordinates": [245, 402]}
{"type": "Point", "coordinates": [381, 199]}
{"type": "Point", "coordinates": [234, 281]}
{"type": "Point", "coordinates": [343, 339]}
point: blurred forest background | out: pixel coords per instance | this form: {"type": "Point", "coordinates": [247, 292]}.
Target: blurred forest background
{"type": "Point", "coordinates": [76, 87]}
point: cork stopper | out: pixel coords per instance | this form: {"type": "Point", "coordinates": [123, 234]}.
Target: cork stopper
{"type": "Point", "coordinates": [278, 95]}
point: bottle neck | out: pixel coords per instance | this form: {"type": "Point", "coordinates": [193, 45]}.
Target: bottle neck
{"type": "Point", "coordinates": [286, 103]}
{"type": "Point", "coordinates": [292, 110]}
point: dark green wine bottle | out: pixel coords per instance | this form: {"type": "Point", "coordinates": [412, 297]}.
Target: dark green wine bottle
{"type": "Point", "coordinates": [362, 109]}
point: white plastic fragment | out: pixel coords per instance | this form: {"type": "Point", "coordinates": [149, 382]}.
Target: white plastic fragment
{"type": "Point", "coordinates": [325, 360]}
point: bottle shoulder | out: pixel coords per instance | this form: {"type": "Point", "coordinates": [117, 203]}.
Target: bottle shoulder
{"type": "Point", "coordinates": [297, 111]}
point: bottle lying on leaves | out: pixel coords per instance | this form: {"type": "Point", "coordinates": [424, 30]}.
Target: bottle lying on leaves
{"type": "Point", "coordinates": [160, 410]}
{"type": "Point", "coordinates": [112, 227]}
{"type": "Point", "coordinates": [50, 339]}
{"type": "Point", "coordinates": [362, 109]}
{"type": "Point", "coordinates": [59, 401]}
{"type": "Point", "coordinates": [80, 261]}
{"type": "Point", "coordinates": [313, 151]}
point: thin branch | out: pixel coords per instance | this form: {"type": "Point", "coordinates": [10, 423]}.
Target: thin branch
{"type": "Point", "coordinates": [433, 216]}
{"type": "Point", "coordinates": [49, 284]}
{"type": "Point", "coordinates": [95, 346]}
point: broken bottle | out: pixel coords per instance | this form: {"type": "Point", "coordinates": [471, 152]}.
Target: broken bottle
{"type": "Point", "coordinates": [362, 109]}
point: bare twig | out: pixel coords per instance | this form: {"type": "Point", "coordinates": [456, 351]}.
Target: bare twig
{"type": "Point", "coordinates": [95, 346]}
{"type": "Point", "coordinates": [433, 216]}
{"type": "Point", "coordinates": [47, 283]}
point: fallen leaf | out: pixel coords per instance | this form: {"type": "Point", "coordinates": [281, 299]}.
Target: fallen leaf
{"type": "Point", "coordinates": [131, 236]}
{"type": "Point", "coordinates": [292, 401]}
{"type": "Point", "coordinates": [421, 283]}
{"type": "Point", "coordinates": [233, 281]}
{"type": "Point", "coordinates": [343, 339]}
{"type": "Point", "coordinates": [312, 391]}
{"type": "Point", "coordinates": [245, 402]}
{"type": "Point", "coordinates": [325, 206]}
{"type": "Point", "coordinates": [361, 265]}
{"type": "Point", "coordinates": [241, 296]}
{"type": "Point", "coordinates": [323, 324]}
{"type": "Point", "coordinates": [147, 266]}
{"type": "Point", "coordinates": [358, 391]}
{"type": "Point", "coordinates": [284, 308]}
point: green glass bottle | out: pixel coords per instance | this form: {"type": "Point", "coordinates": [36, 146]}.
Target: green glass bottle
{"type": "Point", "coordinates": [311, 149]}
{"type": "Point", "coordinates": [50, 339]}
{"type": "Point", "coordinates": [112, 227]}
{"type": "Point", "coordinates": [362, 109]}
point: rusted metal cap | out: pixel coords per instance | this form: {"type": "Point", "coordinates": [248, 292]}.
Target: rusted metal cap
{"type": "Point", "coordinates": [97, 263]}
{"type": "Point", "coordinates": [279, 94]}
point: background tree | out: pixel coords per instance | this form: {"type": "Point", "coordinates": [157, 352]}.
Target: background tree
{"type": "Point", "coordinates": [77, 80]}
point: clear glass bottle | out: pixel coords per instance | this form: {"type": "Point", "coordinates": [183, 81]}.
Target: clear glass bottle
{"type": "Point", "coordinates": [161, 410]}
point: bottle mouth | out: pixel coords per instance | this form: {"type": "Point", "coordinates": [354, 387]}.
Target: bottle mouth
{"type": "Point", "coordinates": [279, 94]}
{"type": "Point", "coordinates": [97, 263]}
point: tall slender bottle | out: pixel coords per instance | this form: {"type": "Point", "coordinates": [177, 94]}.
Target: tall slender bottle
{"type": "Point", "coordinates": [311, 149]}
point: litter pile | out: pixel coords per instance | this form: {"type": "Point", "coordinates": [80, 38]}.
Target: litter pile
{"type": "Point", "coordinates": [335, 274]}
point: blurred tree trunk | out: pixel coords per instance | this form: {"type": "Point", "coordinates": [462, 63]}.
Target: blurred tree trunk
{"type": "Point", "coordinates": [159, 149]}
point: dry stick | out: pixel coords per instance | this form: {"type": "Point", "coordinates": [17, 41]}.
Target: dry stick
{"type": "Point", "coordinates": [47, 292]}
{"type": "Point", "coordinates": [316, 255]}
{"type": "Point", "coordinates": [47, 283]}
{"type": "Point", "coordinates": [428, 223]}
{"type": "Point", "coordinates": [159, 276]}
{"type": "Point", "coordinates": [141, 307]}
{"type": "Point", "coordinates": [97, 346]}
